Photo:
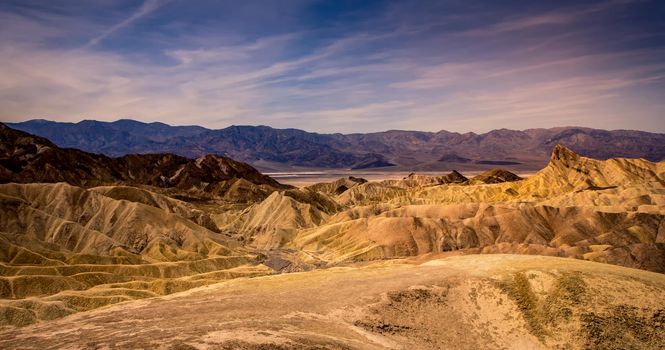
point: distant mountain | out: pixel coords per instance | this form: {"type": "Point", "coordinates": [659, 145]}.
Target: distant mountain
{"type": "Point", "coordinates": [267, 147]}
{"type": "Point", "coordinates": [112, 139]}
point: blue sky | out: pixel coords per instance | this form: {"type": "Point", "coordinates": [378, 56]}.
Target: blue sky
{"type": "Point", "coordinates": [337, 66]}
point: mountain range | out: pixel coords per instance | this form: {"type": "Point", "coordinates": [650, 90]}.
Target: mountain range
{"type": "Point", "coordinates": [273, 149]}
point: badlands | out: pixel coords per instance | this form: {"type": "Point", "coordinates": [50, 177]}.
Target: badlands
{"type": "Point", "coordinates": [163, 251]}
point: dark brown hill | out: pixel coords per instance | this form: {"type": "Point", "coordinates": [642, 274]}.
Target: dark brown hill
{"type": "Point", "coordinates": [25, 158]}
{"type": "Point", "coordinates": [495, 176]}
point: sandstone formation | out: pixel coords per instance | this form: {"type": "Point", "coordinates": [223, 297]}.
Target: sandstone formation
{"type": "Point", "coordinates": [610, 211]}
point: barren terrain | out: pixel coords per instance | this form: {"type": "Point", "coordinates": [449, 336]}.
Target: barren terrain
{"type": "Point", "coordinates": [166, 251]}
{"type": "Point", "coordinates": [462, 302]}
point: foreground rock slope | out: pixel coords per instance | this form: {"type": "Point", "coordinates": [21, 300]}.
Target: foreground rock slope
{"type": "Point", "coordinates": [462, 302]}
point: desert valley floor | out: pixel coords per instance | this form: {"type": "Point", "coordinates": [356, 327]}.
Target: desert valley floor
{"type": "Point", "coordinates": [164, 251]}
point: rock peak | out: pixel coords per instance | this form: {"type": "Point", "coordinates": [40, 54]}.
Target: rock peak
{"type": "Point", "coordinates": [455, 177]}
{"type": "Point", "coordinates": [562, 154]}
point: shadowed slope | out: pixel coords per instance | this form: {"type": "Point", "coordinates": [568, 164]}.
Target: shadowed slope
{"type": "Point", "coordinates": [495, 176]}
{"type": "Point", "coordinates": [415, 180]}
{"type": "Point", "coordinates": [337, 187]}
{"type": "Point", "coordinates": [25, 158]}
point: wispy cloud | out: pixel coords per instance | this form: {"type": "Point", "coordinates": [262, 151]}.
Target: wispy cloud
{"type": "Point", "coordinates": [147, 7]}
{"type": "Point", "coordinates": [392, 72]}
{"type": "Point", "coordinates": [559, 17]}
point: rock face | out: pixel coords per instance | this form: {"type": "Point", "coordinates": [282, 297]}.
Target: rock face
{"type": "Point", "coordinates": [495, 176]}
{"type": "Point", "coordinates": [414, 180]}
{"type": "Point", "coordinates": [526, 150]}
{"type": "Point", "coordinates": [25, 158]}
{"type": "Point", "coordinates": [338, 186]}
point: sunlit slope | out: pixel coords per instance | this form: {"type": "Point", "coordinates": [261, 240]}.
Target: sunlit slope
{"type": "Point", "coordinates": [609, 211]}
{"type": "Point", "coordinates": [65, 249]}
{"type": "Point", "coordinates": [624, 238]}
{"type": "Point", "coordinates": [87, 222]}
{"type": "Point", "coordinates": [464, 302]}
{"type": "Point", "coordinates": [167, 204]}
{"type": "Point", "coordinates": [567, 172]}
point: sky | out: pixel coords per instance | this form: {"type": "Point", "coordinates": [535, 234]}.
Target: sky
{"type": "Point", "coordinates": [337, 66]}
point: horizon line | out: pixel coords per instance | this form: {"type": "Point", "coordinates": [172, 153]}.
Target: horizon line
{"type": "Point", "coordinates": [316, 132]}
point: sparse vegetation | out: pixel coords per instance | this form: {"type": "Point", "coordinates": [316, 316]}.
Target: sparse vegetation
{"type": "Point", "coordinates": [624, 327]}
{"type": "Point", "coordinates": [519, 289]}
{"type": "Point", "coordinates": [543, 314]}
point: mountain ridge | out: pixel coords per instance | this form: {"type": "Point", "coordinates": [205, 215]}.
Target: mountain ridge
{"type": "Point", "coordinates": [271, 148]}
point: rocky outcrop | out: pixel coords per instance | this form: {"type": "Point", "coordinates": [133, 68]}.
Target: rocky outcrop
{"type": "Point", "coordinates": [337, 187]}
{"type": "Point", "coordinates": [414, 180]}
{"type": "Point", "coordinates": [495, 176]}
